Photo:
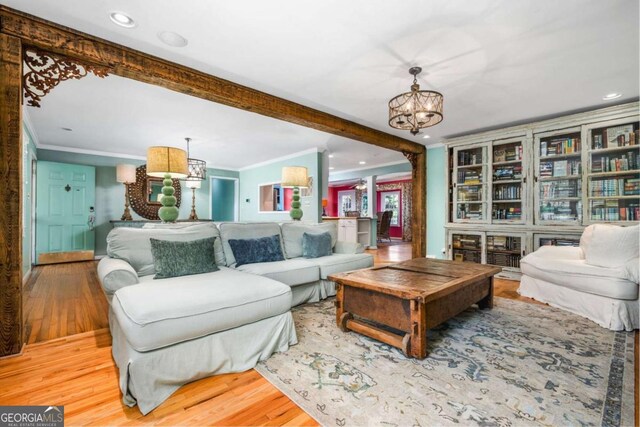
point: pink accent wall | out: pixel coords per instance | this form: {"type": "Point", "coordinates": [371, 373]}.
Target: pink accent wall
{"type": "Point", "coordinates": [288, 198]}
{"type": "Point", "coordinates": [332, 207]}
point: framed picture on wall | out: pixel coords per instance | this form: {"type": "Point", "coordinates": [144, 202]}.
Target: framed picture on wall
{"type": "Point", "coordinates": [307, 192]}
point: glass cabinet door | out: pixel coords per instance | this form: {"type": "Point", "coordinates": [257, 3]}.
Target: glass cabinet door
{"type": "Point", "coordinates": [470, 184]}
{"type": "Point", "coordinates": [613, 175]}
{"type": "Point", "coordinates": [507, 179]}
{"type": "Point", "coordinates": [559, 178]}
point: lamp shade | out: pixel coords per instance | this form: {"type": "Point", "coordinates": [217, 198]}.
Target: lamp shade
{"type": "Point", "coordinates": [167, 160]}
{"type": "Point", "coordinates": [195, 183]}
{"type": "Point", "coordinates": [294, 176]}
{"type": "Point", "coordinates": [126, 173]}
{"type": "Point", "coordinates": [325, 203]}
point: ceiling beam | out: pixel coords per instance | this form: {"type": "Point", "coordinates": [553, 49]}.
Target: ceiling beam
{"type": "Point", "coordinates": [126, 62]}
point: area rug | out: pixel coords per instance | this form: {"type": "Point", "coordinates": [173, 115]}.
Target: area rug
{"type": "Point", "coordinates": [518, 364]}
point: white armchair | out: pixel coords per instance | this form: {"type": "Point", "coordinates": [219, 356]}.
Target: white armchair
{"type": "Point", "coordinates": [598, 280]}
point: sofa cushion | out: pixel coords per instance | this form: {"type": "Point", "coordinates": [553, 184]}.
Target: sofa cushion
{"type": "Point", "coordinates": [316, 245]}
{"type": "Point", "coordinates": [159, 313]}
{"type": "Point", "coordinates": [292, 235]}
{"type": "Point", "coordinates": [261, 249]}
{"type": "Point", "coordinates": [237, 230]}
{"type": "Point", "coordinates": [612, 246]}
{"type": "Point", "coordinates": [338, 263]}
{"type": "Point", "coordinates": [175, 259]}
{"type": "Point", "coordinates": [134, 245]}
{"type": "Point", "coordinates": [578, 275]}
{"type": "Point", "coordinates": [292, 272]}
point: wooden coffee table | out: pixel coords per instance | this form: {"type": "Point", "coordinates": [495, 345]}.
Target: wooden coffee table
{"type": "Point", "coordinates": [396, 304]}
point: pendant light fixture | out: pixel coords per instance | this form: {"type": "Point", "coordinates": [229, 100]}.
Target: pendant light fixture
{"type": "Point", "coordinates": [417, 109]}
{"type": "Point", "coordinates": [197, 168]}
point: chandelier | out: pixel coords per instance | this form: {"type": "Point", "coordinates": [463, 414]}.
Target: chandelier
{"type": "Point", "coordinates": [361, 185]}
{"type": "Point", "coordinates": [417, 109]}
{"type": "Point", "coordinates": [197, 168]}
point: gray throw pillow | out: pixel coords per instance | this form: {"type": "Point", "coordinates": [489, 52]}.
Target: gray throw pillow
{"type": "Point", "coordinates": [316, 245]}
{"type": "Point", "coordinates": [174, 259]}
{"type": "Point", "coordinates": [252, 251]}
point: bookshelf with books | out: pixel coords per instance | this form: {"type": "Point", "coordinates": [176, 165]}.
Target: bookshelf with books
{"type": "Point", "coordinates": [613, 177]}
{"type": "Point", "coordinates": [507, 181]}
{"type": "Point", "coordinates": [505, 250]}
{"type": "Point", "coordinates": [543, 182]}
{"type": "Point", "coordinates": [558, 176]}
{"type": "Point", "coordinates": [469, 185]}
{"type": "Point", "coordinates": [466, 247]}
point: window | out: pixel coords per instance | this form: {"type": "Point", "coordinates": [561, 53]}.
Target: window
{"type": "Point", "coordinates": [271, 198]}
{"type": "Point", "coordinates": [391, 202]}
{"type": "Point", "coordinates": [346, 201]}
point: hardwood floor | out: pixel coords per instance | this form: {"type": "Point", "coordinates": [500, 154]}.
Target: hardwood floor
{"type": "Point", "coordinates": [62, 300]}
{"type": "Point", "coordinates": [78, 372]}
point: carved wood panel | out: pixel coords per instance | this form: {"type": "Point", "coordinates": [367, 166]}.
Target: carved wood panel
{"type": "Point", "coordinates": [139, 196]}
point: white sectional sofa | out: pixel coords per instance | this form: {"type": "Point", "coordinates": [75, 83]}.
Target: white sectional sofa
{"type": "Point", "coordinates": [169, 332]}
{"type": "Point", "coordinates": [598, 280]}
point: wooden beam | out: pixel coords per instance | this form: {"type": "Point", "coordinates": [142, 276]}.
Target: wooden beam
{"type": "Point", "coordinates": [419, 203]}
{"type": "Point", "coordinates": [139, 66]}
{"type": "Point", "coordinates": [11, 194]}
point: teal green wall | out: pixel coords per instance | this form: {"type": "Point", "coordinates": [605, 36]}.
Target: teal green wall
{"type": "Point", "coordinates": [110, 193]}
{"type": "Point", "coordinates": [360, 173]}
{"type": "Point", "coordinates": [436, 191]}
{"type": "Point", "coordinates": [28, 155]}
{"type": "Point", "coordinates": [251, 179]}
{"type": "Point", "coordinates": [223, 199]}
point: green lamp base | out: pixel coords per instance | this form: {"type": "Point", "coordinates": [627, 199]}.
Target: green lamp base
{"type": "Point", "coordinates": [295, 212]}
{"type": "Point", "coordinates": [168, 212]}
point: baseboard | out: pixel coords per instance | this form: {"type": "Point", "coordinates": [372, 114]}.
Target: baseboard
{"type": "Point", "coordinates": [26, 276]}
{"type": "Point", "coordinates": [98, 257]}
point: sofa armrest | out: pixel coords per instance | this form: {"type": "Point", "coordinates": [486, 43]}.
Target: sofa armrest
{"type": "Point", "coordinates": [342, 247]}
{"type": "Point", "coordinates": [559, 252]}
{"type": "Point", "coordinates": [633, 270]}
{"type": "Point", "coordinates": [115, 274]}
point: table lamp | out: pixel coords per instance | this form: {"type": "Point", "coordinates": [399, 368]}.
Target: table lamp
{"type": "Point", "coordinates": [296, 177]}
{"type": "Point", "coordinates": [126, 174]}
{"type": "Point", "coordinates": [325, 203]}
{"type": "Point", "coordinates": [193, 184]}
{"type": "Point", "coordinates": [168, 163]}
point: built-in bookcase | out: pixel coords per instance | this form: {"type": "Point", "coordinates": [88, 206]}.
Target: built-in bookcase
{"type": "Point", "coordinates": [513, 190]}
{"type": "Point", "coordinates": [558, 177]}
{"type": "Point", "coordinates": [614, 172]}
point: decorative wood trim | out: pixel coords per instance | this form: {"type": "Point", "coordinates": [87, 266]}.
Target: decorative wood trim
{"type": "Point", "coordinates": [138, 195]}
{"type": "Point", "coordinates": [61, 257]}
{"type": "Point", "coordinates": [419, 204]}
{"type": "Point", "coordinates": [46, 71]}
{"type": "Point", "coordinates": [126, 62]}
{"type": "Point", "coordinates": [11, 330]}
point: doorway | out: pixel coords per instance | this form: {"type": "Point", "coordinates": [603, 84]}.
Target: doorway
{"type": "Point", "coordinates": [223, 199]}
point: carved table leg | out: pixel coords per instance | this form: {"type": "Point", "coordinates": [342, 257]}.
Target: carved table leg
{"type": "Point", "coordinates": [418, 347]}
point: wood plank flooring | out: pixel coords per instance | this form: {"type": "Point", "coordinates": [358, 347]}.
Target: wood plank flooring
{"type": "Point", "coordinates": [62, 300]}
{"type": "Point", "coordinates": [78, 372]}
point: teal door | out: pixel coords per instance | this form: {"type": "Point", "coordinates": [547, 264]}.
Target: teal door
{"type": "Point", "coordinates": [223, 199]}
{"type": "Point", "coordinates": [65, 200]}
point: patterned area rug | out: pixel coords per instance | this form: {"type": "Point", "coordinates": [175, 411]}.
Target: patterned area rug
{"type": "Point", "coordinates": [517, 364]}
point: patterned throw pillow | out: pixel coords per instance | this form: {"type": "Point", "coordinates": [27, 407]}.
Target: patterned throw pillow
{"type": "Point", "coordinates": [251, 251]}
{"type": "Point", "coordinates": [174, 259]}
{"type": "Point", "coordinates": [316, 245]}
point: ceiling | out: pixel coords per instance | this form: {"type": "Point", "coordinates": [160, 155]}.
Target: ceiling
{"type": "Point", "coordinates": [496, 62]}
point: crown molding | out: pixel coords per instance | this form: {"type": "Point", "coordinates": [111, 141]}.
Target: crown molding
{"type": "Point", "coordinates": [90, 152]}
{"type": "Point", "coordinates": [437, 145]}
{"type": "Point", "coordinates": [381, 165]}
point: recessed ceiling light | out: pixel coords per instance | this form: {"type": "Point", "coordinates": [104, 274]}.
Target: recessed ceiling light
{"type": "Point", "coordinates": [331, 156]}
{"type": "Point", "coordinates": [173, 39]}
{"type": "Point", "coordinates": [426, 137]}
{"type": "Point", "coordinates": [331, 168]}
{"type": "Point", "coordinates": [67, 129]}
{"type": "Point", "coordinates": [122, 19]}
{"type": "Point", "coordinates": [362, 162]}
{"type": "Point", "coordinates": [610, 96]}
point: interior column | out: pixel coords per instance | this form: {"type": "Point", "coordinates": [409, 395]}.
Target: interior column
{"type": "Point", "coordinates": [419, 204]}
{"type": "Point", "coordinates": [372, 200]}
{"type": "Point", "coordinates": [11, 190]}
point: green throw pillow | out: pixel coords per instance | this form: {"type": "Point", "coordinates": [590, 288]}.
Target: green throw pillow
{"type": "Point", "coordinates": [174, 259]}
{"type": "Point", "coordinates": [316, 245]}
